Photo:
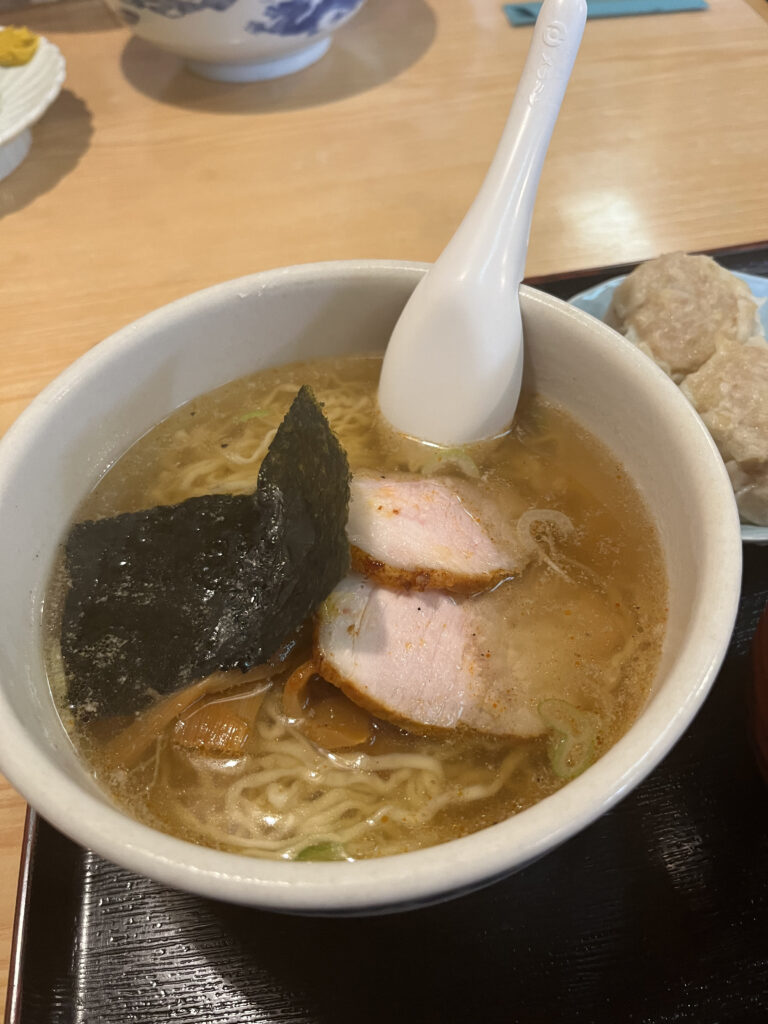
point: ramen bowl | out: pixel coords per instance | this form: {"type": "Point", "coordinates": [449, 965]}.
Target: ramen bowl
{"type": "Point", "coordinates": [62, 444]}
{"type": "Point", "coordinates": [238, 40]}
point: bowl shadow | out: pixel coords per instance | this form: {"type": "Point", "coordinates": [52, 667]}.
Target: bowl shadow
{"type": "Point", "coordinates": [59, 140]}
{"type": "Point", "coordinates": [69, 16]}
{"type": "Point", "coordinates": [384, 39]}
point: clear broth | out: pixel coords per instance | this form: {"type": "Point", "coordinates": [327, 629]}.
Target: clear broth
{"type": "Point", "coordinates": [587, 616]}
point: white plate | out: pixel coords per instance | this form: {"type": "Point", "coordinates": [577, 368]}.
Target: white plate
{"type": "Point", "coordinates": [597, 300]}
{"type": "Point", "coordinates": [25, 95]}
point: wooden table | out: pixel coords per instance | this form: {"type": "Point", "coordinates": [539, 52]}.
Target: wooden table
{"type": "Point", "coordinates": [145, 183]}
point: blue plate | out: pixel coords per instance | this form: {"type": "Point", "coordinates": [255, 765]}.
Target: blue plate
{"type": "Point", "coordinates": [596, 302]}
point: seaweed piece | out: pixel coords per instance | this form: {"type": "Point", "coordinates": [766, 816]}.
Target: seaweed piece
{"type": "Point", "coordinates": [160, 598]}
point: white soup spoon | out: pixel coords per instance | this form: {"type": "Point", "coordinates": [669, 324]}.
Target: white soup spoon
{"type": "Point", "coordinates": [453, 366]}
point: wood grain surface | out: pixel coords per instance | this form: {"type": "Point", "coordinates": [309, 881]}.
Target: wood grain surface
{"type": "Point", "coordinates": [145, 183]}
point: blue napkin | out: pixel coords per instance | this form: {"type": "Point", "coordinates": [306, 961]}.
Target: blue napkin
{"type": "Point", "coordinates": [526, 14]}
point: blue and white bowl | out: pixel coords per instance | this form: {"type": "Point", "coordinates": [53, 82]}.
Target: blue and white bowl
{"type": "Point", "coordinates": [238, 40]}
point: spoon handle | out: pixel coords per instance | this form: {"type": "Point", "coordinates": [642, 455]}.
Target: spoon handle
{"type": "Point", "coordinates": [453, 367]}
{"type": "Point", "coordinates": [495, 230]}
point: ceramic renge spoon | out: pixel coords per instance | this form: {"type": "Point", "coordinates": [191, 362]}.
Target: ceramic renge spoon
{"type": "Point", "coordinates": [453, 366]}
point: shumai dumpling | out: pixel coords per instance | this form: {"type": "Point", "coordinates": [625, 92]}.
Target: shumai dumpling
{"type": "Point", "coordinates": [680, 309]}
{"type": "Point", "coordinates": [730, 393]}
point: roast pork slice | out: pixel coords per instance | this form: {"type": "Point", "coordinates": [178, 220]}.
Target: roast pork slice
{"type": "Point", "coordinates": [420, 660]}
{"type": "Point", "coordinates": [421, 534]}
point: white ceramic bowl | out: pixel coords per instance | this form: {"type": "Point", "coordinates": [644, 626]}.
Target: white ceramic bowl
{"type": "Point", "coordinates": [62, 444]}
{"type": "Point", "coordinates": [238, 40]}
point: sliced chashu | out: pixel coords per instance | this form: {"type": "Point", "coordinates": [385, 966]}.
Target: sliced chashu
{"type": "Point", "coordinates": [430, 661]}
{"type": "Point", "coordinates": [420, 534]}
{"type": "Point", "coordinates": [420, 659]}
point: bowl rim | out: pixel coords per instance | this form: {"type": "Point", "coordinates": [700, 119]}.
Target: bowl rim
{"type": "Point", "coordinates": [389, 883]}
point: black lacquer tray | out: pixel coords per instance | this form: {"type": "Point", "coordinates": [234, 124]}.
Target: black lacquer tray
{"type": "Point", "coordinates": [657, 913]}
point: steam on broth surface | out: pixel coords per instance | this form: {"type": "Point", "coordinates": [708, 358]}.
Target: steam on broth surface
{"type": "Point", "coordinates": [242, 763]}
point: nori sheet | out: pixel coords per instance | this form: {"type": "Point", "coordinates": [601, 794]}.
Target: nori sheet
{"type": "Point", "coordinates": [160, 598]}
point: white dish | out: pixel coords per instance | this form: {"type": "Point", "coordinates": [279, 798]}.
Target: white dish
{"type": "Point", "coordinates": [596, 302]}
{"type": "Point", "coordinates": [52, 457]}
{"type": "Point", "coordinates": [26, 93]}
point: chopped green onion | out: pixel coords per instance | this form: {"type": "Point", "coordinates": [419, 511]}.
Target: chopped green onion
{"type": "Point", "coordinates": [322, 851]}
{"type": "Point", "coordinates": [571, 746]}
{"type": "Point", "coordinates": [457, 457]}
{"type": "Point", "coordinates": [255, 414]}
